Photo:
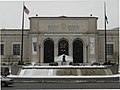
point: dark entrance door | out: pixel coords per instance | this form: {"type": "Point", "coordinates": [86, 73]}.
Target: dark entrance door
{"type": "Point", "coordinates": [63, 47]}
{"type": "Point", "coordinates": [78, 51]}
{"type": "Point", "coordinates": [48, 51]}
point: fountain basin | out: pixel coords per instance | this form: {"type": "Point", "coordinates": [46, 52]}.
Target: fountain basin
{"type": "Point", "coordinates": [65, 74]}
{"type": "Point", "coordinates": [65, 71]}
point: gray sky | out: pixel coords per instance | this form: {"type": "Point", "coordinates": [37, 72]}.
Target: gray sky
{"type": "Point", "coordinates": [11, 11]}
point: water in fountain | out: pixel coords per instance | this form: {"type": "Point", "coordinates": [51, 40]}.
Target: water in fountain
{"type": "Point", "coordinates": [35, 72]}
{"type": "Point", "coordinates": [59, 59]}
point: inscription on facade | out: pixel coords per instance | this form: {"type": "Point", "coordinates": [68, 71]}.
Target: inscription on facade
{"type": "Point", "coordinates": [73, 27]}
{"type": "Point", "coordinates": [53, 28]}
{"type": "Point", "coordinates": [63, 26]}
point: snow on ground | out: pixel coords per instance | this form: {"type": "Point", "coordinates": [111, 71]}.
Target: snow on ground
{"type": "Point", "coordinates": [107, 76]}
{"type": "Point", "coordinates": [64, 66]}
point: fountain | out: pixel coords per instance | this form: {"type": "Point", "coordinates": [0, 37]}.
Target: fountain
{"type": "Point", "coordinates": [60, 61]}
{"type": "Point", "coordinates": [64, 70]}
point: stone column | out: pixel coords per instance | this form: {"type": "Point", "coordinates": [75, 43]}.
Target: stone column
{"type": "Point", "coordinates": [55, 48]}
{"type": "Point", "coordinates": [84, 53]}
{"type": "Point", "coordinates": [39, 53]}
{"type": "Point", "coordinates": [70, 48]}
{"type": "Point", "coordinates": [42, 53]}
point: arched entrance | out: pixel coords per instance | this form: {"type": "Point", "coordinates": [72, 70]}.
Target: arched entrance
{"type": "Point", "coordinates": [48, 51]}
{"type": "Point", "coordinates": [63, 47]}
{"type": "Point", "coordinates": [78, 51]}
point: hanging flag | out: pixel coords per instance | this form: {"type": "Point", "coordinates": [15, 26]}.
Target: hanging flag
{"type": "Point", "coordinates": [26, 10]}
{"type": "Point", "coordinates": [106, 19]}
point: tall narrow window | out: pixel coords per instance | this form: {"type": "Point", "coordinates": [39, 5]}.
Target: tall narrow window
{"type": "Point", "coordinates": [16, 49]}
{"type": "Point", "coordinates": [2, 49]}
{"type": "Point", "coordinates": [35, 46]}
{"type": "Point", "coordinates": [109, 49]}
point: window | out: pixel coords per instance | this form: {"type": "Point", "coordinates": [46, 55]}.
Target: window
{"type": "Point", "coordinates": [2, 49]}
{"type": "Point", "coordinates": [16, 49]}
{"type": "Point", "coordinates": [35, 46]}
{"type": "Point", "coordinates": [109, 49]}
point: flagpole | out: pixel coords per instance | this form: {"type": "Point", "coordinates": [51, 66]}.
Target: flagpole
{"type": "Point", "coordinates": [105, 31]}
{"type": "Point", "coordinates": [22, 35]}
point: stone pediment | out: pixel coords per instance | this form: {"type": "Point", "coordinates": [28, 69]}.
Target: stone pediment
{"type": "Point", "coordinates": [63, 16]}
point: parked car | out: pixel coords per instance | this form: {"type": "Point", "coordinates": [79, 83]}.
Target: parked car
{"type": "Point", "coordinates": [6, 81]}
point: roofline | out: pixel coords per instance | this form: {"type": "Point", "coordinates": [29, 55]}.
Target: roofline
{"type": "Point", "coordinates": [63, 17]}
{"type": "Point", "coordinates": [13, 29]}
{"type": "Point", "coordinates": [113, 29]}
{"type": "Point", "coordinates": [108, 30]}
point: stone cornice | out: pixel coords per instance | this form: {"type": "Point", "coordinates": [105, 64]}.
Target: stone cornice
{"type": "Point", "coordinates": [13, 35]}
{"type": "Point", "coordinates": [63, 17]}
{"type": "Point", "coordinates": [14, 30]}
{"type": "Point", "coordinates": [63, 33]}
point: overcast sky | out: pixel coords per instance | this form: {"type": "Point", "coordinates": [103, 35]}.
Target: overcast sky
{"type": "Point", "coordinates": [11, 11]}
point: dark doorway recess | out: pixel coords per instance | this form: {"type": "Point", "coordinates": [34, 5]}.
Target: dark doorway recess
{"type": "Point", "coordinates": [48, 51]}
{"type": "Point", "coordinates": [63, 47]}
{"type": "Point", "coordinates": [78, 51]}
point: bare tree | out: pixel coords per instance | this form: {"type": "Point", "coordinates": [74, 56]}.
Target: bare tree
{"type": "Point", "coordinates": [11, 58]}
{"type": "Point", "coordinates": [114, 57]}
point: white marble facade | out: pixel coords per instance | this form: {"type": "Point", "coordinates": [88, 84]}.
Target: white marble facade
{"type": "Point", "coordinates": [65, 28]}
{"type": "Point", "coordinates": [50, 37]}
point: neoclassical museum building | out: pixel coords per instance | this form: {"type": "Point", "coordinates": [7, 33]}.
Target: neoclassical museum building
{"type": "Point", "coordinates": [50, 37]}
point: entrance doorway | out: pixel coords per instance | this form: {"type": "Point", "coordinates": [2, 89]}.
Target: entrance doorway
{"type": "Point", "coordinates": [78, 51]}
{"type": "Point", "coordinates": [48, 51]}
{"type": "Point", "coordinates": [63, 47]}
